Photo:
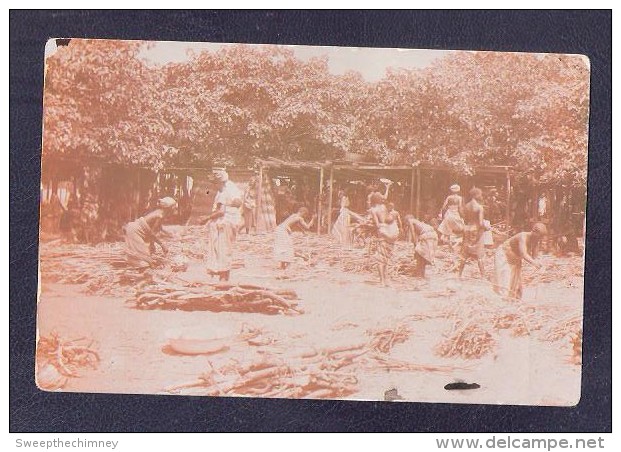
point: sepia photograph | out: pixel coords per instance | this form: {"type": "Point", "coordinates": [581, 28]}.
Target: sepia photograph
{"type": "Point", "coordinates": [376, 224]}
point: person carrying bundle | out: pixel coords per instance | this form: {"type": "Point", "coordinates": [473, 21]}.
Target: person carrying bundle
{"type": "Point", "coordinates": [373, 189]}
{"type": "Point", "coordinates": [387, 231]}
{"type": "Point", "coordinates": [451, 213]}
{"type": "Point", "coordinates": [509, 257]}
{"type": "Point", "coordinates": [426, 242]}
{"type": "Point", "coordinates": [283, 243]}
{"type": "Point", "coordinates": [141, 234]}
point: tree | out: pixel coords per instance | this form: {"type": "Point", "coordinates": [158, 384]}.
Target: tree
{"type": "Point", "coordinates": [102, 102]}
{"type": "Point", "coordinates": [243, 102]}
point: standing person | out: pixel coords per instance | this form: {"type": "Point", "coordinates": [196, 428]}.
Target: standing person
{"type": "Point", "coordinates": [249, 204]}
{"type": "Point", "coordinates": [141, 234]}
{"type": "Point", "coordinates": [224, 222]}
{"type": "Point", "coordinates": [451, 213]}
{"type": "Point", "coordinates": [395, 214]}
{"type": "Point", "coordinates": [387, 232]}
{"type": "Point", "coordinates": [426, 239]}
{"type": "Point", "coordinates": [473, 246]}
{"type": "Point", "coordinates": [342, 226]}
{"type": "Point", "coordinates": [374, 189]}
{"type": "Point", "coordinates": [283, 243]}
{"type": "Point", "coordinates": [508, 260]}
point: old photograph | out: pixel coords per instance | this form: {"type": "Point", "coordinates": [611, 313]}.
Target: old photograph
{"type": "Point", "coordinates": [272, 221]}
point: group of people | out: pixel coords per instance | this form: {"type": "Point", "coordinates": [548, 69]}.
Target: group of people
{"type": "Point", "coordinates": [384, 225]}
{"type": "Point", "coordinates": [463, 226]}
{"type": "Point", "coordinates": [465, 221]}
{"type": "Point", "coordinates": [223, 223]}
{"type": "Point", "coordinates": [468, 222]}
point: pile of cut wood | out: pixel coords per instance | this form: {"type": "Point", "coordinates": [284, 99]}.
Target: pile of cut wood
{"type": "Point", "coordinates": [470, 341]}
{"type": "Point", "coordinates": [217, 298]}
{"type": "Point", "coordinates": [100, 269]}
{"type": "Point", "coordinates": [58, 360]}
{"type": "Point", "coordinates": [479, 315]}
{"type": "Point", "coordinates": [384, 339]}
{"type": "Point", "coordinates": [567, 271]}
{"type": "Point", "coordinates": [316, 374]}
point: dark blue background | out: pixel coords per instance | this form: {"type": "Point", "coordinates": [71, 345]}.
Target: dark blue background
{"type": "Point", "coordinates": [583, 32]}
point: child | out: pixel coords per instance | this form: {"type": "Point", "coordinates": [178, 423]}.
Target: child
{"type": "Point", "coordinates": [283, 244]}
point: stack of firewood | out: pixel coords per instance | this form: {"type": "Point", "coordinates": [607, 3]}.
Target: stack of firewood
{"type": "Point", "coordinates": [317, 374]}
{"type": "Point", "coordinates": [58, 360]}
{"type": "Point", "coordinates": [217, 298]}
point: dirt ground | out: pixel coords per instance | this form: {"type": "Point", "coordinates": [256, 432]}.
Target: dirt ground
{"type": "Point", "coordinates": [535, 367]}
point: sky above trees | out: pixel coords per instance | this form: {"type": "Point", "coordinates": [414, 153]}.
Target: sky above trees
{"type": "Point", "coordinates": [371, 63]}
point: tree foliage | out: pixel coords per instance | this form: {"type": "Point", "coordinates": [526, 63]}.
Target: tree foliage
{"type": "Point", "coordinates": [236, 104]}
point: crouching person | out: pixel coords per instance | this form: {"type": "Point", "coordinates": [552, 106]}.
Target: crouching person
{"type": "Point", "coordinates": [425, 239]}
{"type": "Point", "coordinates": [509, 258]}
{"type": "Point", "coordinates": [283, 242]}
{"type": "Point", "coordinates": [141, 234]}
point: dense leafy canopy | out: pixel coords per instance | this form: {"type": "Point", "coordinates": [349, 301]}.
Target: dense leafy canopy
{"type": "Point", "coordinates": [241, 102]}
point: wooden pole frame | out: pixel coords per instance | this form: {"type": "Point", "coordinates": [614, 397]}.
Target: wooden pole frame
{"type": "Point", "coordinates": [508, 206]}
{"type": "Point", "coordinates": [412, 190]}
{"type": "Point", "coordinates": [257, 214]}
{"type": "Point", "coordinates": [330, 194]}
{"type": "Point", "coordinates": [417, 192]}
{"type": "Point", "coordinates": [319, 201]}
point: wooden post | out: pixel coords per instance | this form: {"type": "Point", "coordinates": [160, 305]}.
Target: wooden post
{"type": "Point", "coordinates": [330, 193]}
{"type": "Point", "coordinates": [257, 215]}
{"type": "Point", "coordinates": [508, 207]}
{"type": "Point", "coordinates": [418, 193]}
{"type": "Point", "coordinates": [319, 201]}
{"type": "Point", "coordinates": [412, 191]}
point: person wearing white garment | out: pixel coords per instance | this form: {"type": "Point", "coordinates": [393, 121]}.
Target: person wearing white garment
{"type": "Point", "coordinates": [451, 213]}
{"type": "Point", "coordinates": [342, 226]}
{"type": "Point", "coordinates": [224, 221]}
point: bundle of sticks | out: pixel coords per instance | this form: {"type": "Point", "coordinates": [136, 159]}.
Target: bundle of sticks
{"type": "Point", "coordinates": [58, 359]}
{"type": "Point", "coordinates": [77, 264]}
{"type": "Point", "coordinates": [479, 315]}
{"type": "Point", "coordinates": [469, 341]}
{"type": "Point", "coordinates": [101, 269]}
{"type": "Point", "coordinates": [383, 340]}
{"type": "Point", "coordinates": [316, 374]}
{"type": "Point", "coordinates": [398, 365]}
{"type": "Point", "coordinates": [564, 328]}
{"type": "Point", "coordinates": [217, 298]}
{"type": "Point", "coordinates": [567, 271]}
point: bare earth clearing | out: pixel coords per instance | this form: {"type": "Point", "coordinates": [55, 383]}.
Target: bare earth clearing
{"type": "Point", "coordinates": [354, 339]}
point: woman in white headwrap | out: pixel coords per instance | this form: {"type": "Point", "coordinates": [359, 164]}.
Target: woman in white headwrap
{"type": "Point", "coordinates": [141, 234]}
{"type": "Point", "coordinates": [224, 221]}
